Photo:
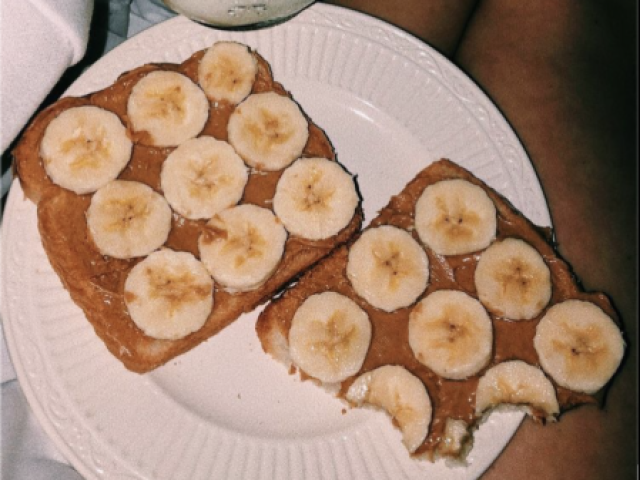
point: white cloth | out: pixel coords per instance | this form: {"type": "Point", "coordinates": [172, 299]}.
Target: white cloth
{"type": "Point", "coordinates": [40, 40]}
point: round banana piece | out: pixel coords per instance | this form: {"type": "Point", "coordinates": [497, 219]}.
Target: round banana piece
{"type": "Point", "coordinates": [451, 333]}
{"type": "Point", "coordinates": [388, 268]}
{"type": "Point", "coordinates": [84, 148]}
{"type": "Point", "coordinates": [517, 383]}
{"type": "Point", "coordinates": [202, 177]}
{"type": "Point", "coordinates": [128, 219]}
{"type": "Point", "coordinates": [579, 345]}
{"type": "Point", "coordinates": [268, 131]}
{"type": "Point", "coordinates": [455, 217]}
{"type": "Point", "coordinates": [242, 246]}
{"type": "Point", "coordinates": [227, 72]}
{"type": "Point", "coordinates": [329, 337]}
{"type": "Point", "coordinates": [402, 395]}
{"type": "Point", "coordinates": [315, 198]}
{"type": "Point", "coordinates": [169, 294]}
{"type": "Point", "coordinates": [512, 280]}
{"type": "Point", "coordinates": [169, 107]}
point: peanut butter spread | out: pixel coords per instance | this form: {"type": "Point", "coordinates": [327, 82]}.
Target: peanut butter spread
{"type": "Point", "coordinates": [453, 399]}
{"type": "Point", "coordinates": [96, 282]}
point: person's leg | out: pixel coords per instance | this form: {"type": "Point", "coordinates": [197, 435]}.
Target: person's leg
{"type": "Point", "coordinates": [438, 22]}
{"type": "Point", "coordinates": [563, 73]}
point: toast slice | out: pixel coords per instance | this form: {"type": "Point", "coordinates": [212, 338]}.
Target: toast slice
{"type": "Point", "coordinates": [95, 281]}
{"type": "Point", "coordinates": [453, 402]}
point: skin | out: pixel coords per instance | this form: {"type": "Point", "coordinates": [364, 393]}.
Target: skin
{"type": "Point", "coordinates": [563, 73]}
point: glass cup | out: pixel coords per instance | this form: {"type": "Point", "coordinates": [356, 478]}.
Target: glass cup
{"type": "Point", "coordinates": [237, 14]}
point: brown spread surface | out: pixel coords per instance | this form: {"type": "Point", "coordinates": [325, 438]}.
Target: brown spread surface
{"type": "Point", "coordinates": [95, 282]}
{"type": "Point", "coordinates": [512, 339]}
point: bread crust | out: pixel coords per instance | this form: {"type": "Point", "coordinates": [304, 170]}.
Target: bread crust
{"type": "Point", "coordinates": [95, 282]}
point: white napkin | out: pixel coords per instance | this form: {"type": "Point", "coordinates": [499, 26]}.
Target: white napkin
{"type": "Point", "coordinates": [40, 40]}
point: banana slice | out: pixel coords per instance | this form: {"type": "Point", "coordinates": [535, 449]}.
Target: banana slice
{"type": "Point", "coordinates": [455, 217]}
{"type": "Point", "coordinates": [520, 384]}
{"type": "Point", "coordinates": [169, 294]}
{"type": "Point", "coordinates": [84, 148]}
{"type": "Point", "coordinates": [451, 333]}
{"type": "Point", "coordinates": [329, 337]}
{"type": "Point", "coordinates": [579, 345]}
{"type": "Point", "coordinates": [512, 280]}
{"type": "Point", "coordinates": [202, 177]}
{"type": "Point", "coordinates": [388, 268]}
{"type": "Point", "coordinates": [227, 72]}
{"type": "Point", "coordinates": [242, 246]}
{"type": "Point", "coordinates": [315, 198]}
{"type": "Point", "coordinates": [402, 395]}
{"type": "Point", "coordinates": [128, 219]}
{"type": "Point", "coordinates": [268, 131]}
{"type": "Point", "coordinates": [169, 107]}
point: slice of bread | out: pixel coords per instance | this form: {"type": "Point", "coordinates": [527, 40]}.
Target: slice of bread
{"type": "Point", "coordinates": [96, 282]}
{"type": "Point", "coordinates": [453, 401]}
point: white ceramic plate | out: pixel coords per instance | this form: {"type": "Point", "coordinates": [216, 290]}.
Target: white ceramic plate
{"type": "Point", "coordinates": [391, 105]}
